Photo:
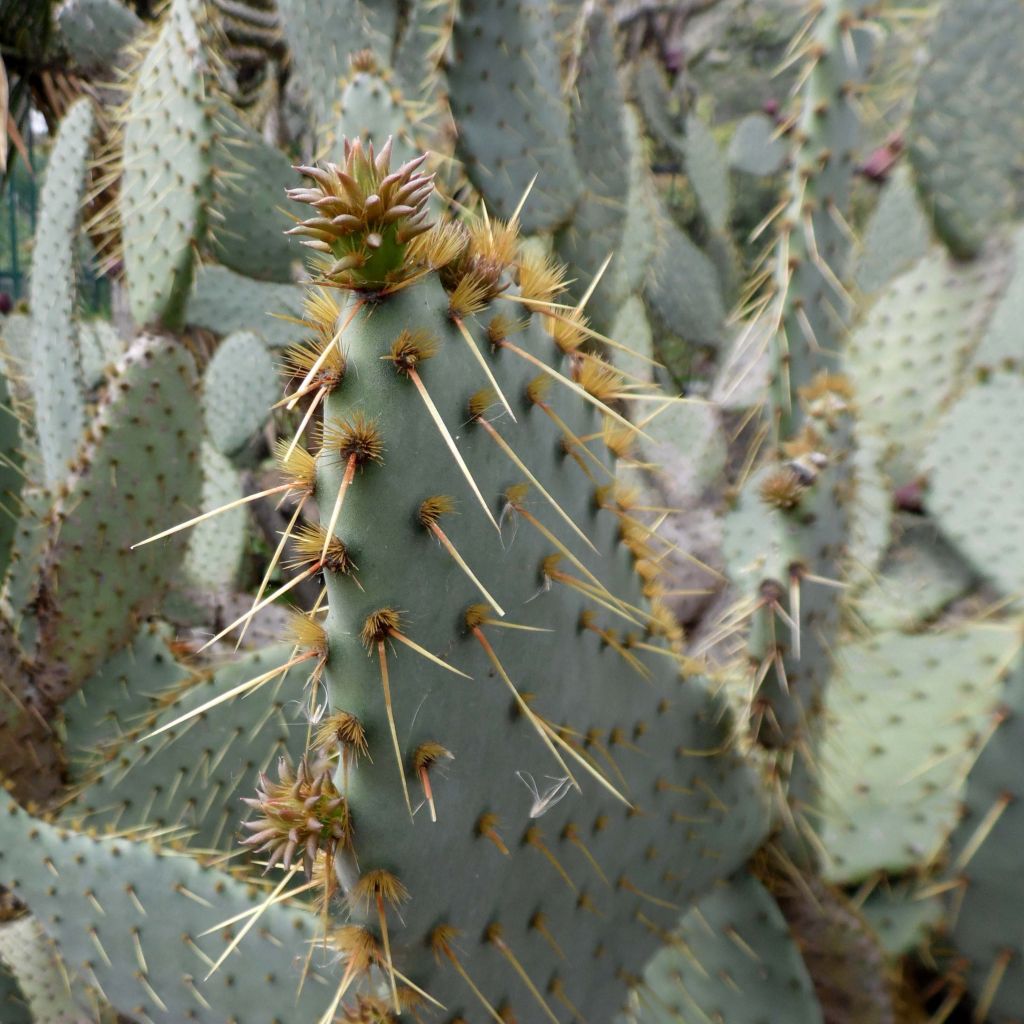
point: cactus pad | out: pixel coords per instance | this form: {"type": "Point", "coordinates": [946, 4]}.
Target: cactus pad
{"type": "Point", "coordinates": [53, 362]}
{"type": "Point", "coordinates": [224, 302]}
{"type": "Point", "coordinates": [976, 484]}
{"type": "Point", "coordinates": [905, 711]}
{"type": "Point", "coordinates": [163, 202]}
{"type": "Point", "coordinates": [907, 355]}
{"type": "Point", "coordinates": [513, 123]}
{"type": "Point", "coordinates": [148, 418]}
{"type": "Point", "coordinates": [29, 955]}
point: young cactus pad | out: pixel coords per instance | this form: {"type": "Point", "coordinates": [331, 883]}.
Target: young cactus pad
{"type": "Point", "coordinates": [488, 642]}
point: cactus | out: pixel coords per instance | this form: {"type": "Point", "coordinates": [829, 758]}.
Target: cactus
{"type": "Point", "coordinates": [462, 384]}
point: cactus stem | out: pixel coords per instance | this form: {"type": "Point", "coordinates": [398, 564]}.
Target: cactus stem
{"type": "Point", "coordinates": [495, 938]}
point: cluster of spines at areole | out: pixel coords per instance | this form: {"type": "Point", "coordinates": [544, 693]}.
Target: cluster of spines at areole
{"type": "Point", "coordinates": [371, 237]}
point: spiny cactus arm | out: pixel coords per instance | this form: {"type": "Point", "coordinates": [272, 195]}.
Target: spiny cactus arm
{"type": "Point", "coordinates": [513, 120]}
{"type": "Point", "coordinates": [54, 367]}
{"type": "Point", "coordinates": [92, 585]}
{"type": "Point", "coordinates": [403, 446]}
{"type": "Point", "coordinates": [163, 201]}
{"type": "Point", "coordinates": [321, 36]}
{"type": "Point", "coordinates": [810, 305]}
{"type": "Point", "coordinates": [941, 306]}
{"type": "Point", "coordinates": [130, 918]}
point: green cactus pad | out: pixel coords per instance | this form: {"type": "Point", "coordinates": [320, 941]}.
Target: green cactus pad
{"type": "Point", "coordinates": [985, 857]}
{"type": "Point", "coordinates": [29, 955]}
{"type": "Point", "coordinates": [632, 329]}
{"type": "Point", "coordinates": [119, 695]}
{"type": "Point", "coordinates": [53, 364]}
{"type": "Point", "coordinates": [95, 31]}
{"type": "Point", "coordinates": [401, 566]}
{"type": "Point", "coordinates": [1000, 348]}
{"type": "Point", "coordinates": [21, 584]}
{"type": "Point", "coordinates": [513, 121]}
{"type": "Point", "coordinates": [128, 917]}
{"type": "Point", "coordinates": [968, 119]}
{"type": "Point", "coordinates": [602, 154]}
{"type": "Point", "coordinates": [754, 149]}
{"type": "Point", "coordinates": [976, 485]}
{"type": "Point", "coordinates": [708, 172]}
{"type": "Point", "coordinates": [224, 302]}
{"type": "Point", "coordinates": [905, 712]}
{"type": "Point", "coordinates": [193, 776]}
{"type": "Point", "coordinates": [921, 574]}
{"type": "Point", "coordinates": [249, 180]}
{"type": "Point", "coordinates": [730, 959]}
{"type": "Point", "coordinates": [239, 386]}
{"type": "Point", "coordinates": [896, 236]}
{"type": "Point", "coordinates": [216, 546]}
{"type": "Point", "coordinates": [137, 475]}
{"type": "Point", "coordinates": [907, 355]}
{"type": "Point", "coordinates": [163, 202]}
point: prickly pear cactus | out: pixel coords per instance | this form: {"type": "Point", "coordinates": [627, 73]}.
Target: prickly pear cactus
{"type": "Point", "coordinates": [480, 566]}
